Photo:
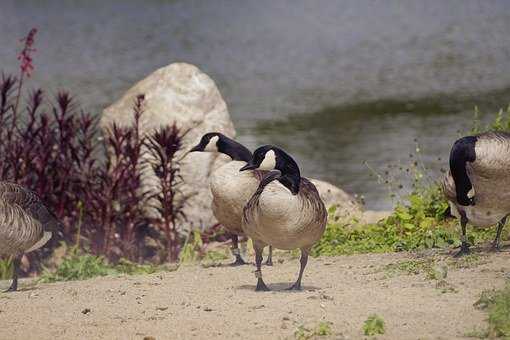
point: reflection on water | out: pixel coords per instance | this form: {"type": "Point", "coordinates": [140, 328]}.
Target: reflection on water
{"type": "Point", "coordinates": [389, 71]}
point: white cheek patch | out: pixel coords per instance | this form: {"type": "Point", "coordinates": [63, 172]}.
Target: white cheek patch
{"type": "Point", "coordinates": [269, 161]}
{"type": "Point", "coordinates": [211, 146]}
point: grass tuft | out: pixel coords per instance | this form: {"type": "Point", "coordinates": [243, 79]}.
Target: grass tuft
{"type": "Point", "coordinates": [78, 266]}
{"type": "Point", "coordinates": [323, 328]}
{"type": "Point", "coordinates": [497, 304]}
{"type": "Point", "coordinates": [373, 325]}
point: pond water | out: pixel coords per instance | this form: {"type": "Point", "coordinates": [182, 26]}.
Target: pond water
{"type": "Point", "coordinates": [336, 83]}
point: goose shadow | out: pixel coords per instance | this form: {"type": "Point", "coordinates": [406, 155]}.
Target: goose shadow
{"type": "Point", "coordinates": [281, 287]}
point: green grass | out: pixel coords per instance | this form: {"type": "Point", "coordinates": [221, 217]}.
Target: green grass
{"type": "Point", "coordinates": [420, 223]}
{"type": "Point", "coordinates": [78, 266]}
{"type": "Point", "coordinates": [323, 328]}
{"type": "Point", "coordinates": [373, 325]}
{"type": "Point", "coordinates": [497, 305]}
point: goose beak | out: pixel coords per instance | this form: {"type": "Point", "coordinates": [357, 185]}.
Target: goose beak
{"type": "Point", "coordinates": [248, 167]}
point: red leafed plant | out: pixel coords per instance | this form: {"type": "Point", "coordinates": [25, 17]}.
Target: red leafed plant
{"type": "Point", "coordinates": [163, 145]}
{"type": "Point", "coordinates": [92, 181]}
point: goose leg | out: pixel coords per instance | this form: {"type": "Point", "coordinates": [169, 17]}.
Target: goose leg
{"type": "Point", "coordinates": [496, 245]}
{"type": "Point", "coordinates": [303, 261]}
{"type": "Point", "coordinates": [235, 251]}
{"type": "Point", "coordinates": [15, 268]}
{"type": "Point", "coordinates": [261, 286]}
{"type": "Point", "coordinates": [464, 247]}
{"type": "Point", "coordinates": [269, 261]}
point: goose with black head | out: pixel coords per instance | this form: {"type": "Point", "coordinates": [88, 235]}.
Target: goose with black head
{"type": "Point", "coordinates": [285, 211]}
{"type": "Point", "coordinates": [230, 189]}
{"type": "Point", "coordinates": [477, 186]}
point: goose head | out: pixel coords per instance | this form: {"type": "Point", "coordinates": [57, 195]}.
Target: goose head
{"type": "Point", "coordinates": [218, 142]}
{"type": "Point", "coordinates": [269, 157]}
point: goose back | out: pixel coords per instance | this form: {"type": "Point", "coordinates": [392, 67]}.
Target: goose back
{"type": "Point", "coordinates": [231, 190]}
{"type": "Point", "coordinates": [274, 216]}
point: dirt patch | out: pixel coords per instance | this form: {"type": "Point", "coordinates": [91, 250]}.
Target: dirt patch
{"type": "Point", "coordinates": [219, 302]}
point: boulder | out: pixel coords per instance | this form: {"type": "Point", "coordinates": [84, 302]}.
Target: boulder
{"type": "Point", "coordinates": [374, 216]}
{"type": "Point", "coordinates": [183, 94]}
{"type": "Point", "coordinates": [347, 207]}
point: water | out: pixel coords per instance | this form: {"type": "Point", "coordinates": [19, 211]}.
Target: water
{"type": "Point", "coordinates": [336, 83]}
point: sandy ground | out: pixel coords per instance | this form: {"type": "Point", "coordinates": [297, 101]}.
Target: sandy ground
{"type": "Point", "coordinates": [220, 302]}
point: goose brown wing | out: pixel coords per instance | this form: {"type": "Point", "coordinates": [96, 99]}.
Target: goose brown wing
{"type": "Point", "coordinates": [18, 230]}
{"type": "Point", "coordinates": [29, 201]}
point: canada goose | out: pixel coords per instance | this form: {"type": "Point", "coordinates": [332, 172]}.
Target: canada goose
{"type": "Point", "coordinates": [230, 188]}
{"type": "Point", "coordinates": [24, 223]}
{"type": "Point", "coordinates": [478, 183]}
{"type": "Point", "coordinates": [288, 214]}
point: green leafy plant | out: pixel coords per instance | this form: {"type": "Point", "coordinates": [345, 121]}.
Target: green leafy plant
{"type": "Point", "coordinates": [78, 267]}
{"type": "Point", "coordinates": [82, 266]}
{"type": "Point", "coordinates": [323, 328]}
{"type": "Point", "coordinates": [497, 304]}
{"type": "Point", "coordinates": [373, 325]}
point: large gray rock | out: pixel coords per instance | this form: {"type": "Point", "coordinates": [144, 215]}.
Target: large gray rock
{"type": "Point", "coordinates": [347, 208]}
{"type": "Point", "coordinates": [183, 94]}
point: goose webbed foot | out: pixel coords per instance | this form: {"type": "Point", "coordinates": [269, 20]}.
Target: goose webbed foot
{"type": "Point", "coordinates": [13, 287]}
{"type": "Point", "coordinates": [261, 286]}
{"type": "Point", "coordinates": [295, 286]}
{"type": "Point", "coordinates": [236, 252]}
{"type": "Point", "coordinates": [238, 262]}
{"type": "Point", "coordinates": [464, 250]}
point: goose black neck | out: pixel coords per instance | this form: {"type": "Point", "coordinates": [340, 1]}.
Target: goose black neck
{"type": "Point", "coordinates": [291, 176]}
{"type": "Point", "coordinates": [268, 178]}
{"type": "Point", "coordinates": [234, 150]}
{"type": "Point", "coordinates": [463, 151]}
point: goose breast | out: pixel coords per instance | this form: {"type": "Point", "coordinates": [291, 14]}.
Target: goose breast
{"type": "Point", "coordinates": [283, 220]}
{"type": "Point", "coordinates": [231, 190]}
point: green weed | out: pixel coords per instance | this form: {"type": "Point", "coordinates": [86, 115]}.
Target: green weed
{"type": "Point", "coordinates": [79, 266]}
{"type": "Point", "coordinates": [323, 328]}
{"type": "Point", "coordinates": [373, 325]}
{"type": "Point", "coordinates": [497, 304]}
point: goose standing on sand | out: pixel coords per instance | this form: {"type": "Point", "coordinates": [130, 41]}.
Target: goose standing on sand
{"type": "Point", "coordinates": [478, 183]}
{"type": "Point", "coordinates": [230, 188]}
{"type": "Point", "coordinates": [24, 223]}
{"type": "Point", "coordinates": [287, 213]}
